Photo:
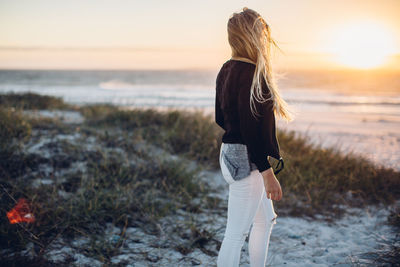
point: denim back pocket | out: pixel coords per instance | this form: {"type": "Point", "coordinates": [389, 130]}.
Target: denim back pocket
{"type": "Point", "coordinates": [236, 159]}
{"type": "Point", "coordinates": [229, 163]}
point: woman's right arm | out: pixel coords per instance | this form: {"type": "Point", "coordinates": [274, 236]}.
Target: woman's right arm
{"type": "Point", "coordinates": [272, 185]}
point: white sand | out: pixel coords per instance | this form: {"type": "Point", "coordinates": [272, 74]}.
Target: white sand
{"type": "Point", "coordinates": [301, 242]}
{"type": "Point", "coordinates": [376, 137]}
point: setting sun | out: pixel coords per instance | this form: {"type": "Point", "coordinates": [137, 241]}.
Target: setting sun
{"type": "Point", "coordinates": [362, 45]}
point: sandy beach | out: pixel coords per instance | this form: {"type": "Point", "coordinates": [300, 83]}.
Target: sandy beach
{"type": "Point", "coordinates": [294, 241]}
{"type": "Point", "coordinates": [376, 137]}
{"type": "Point", "coordinates": [65, 141]}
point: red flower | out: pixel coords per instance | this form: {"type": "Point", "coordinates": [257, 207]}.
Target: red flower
{"type": "Point", "coordinates": [20, 213]}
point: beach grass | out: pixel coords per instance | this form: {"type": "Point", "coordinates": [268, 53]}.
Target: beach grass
{"type": "Point", "coordinates": [33, 101]}
{"type": "Point", "coordinates": [326, 180]}
{"type": "Point", "coordinates": [70, 199]}
{"type": "Point", "coordinates": [190, 134]}
{"type": "Point", "coordinates": [315, 180]}
{"type": "Point", "coordinates": [112, 169]}
{"type": "Point", "coordinates": [314, 177]}
{"type": "Point", "coordinates": [13, 129]}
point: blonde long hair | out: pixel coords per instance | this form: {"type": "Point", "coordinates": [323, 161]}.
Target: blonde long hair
{"type": "Point", "coordinates": [250, 38]}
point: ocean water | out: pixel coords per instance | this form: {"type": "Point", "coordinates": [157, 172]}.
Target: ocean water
{"type": "Point", "coordinates": [354, 110]}
{"type": "Point", "coordinates": [313, 90]}
{"type": "Point", "coordinates": [125, 88]}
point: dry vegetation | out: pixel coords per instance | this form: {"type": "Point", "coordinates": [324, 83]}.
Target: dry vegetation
{"type": "Point", "coordinates": [109, 169]}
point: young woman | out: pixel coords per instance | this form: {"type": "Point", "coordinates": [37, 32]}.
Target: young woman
{"type": "Point", "coordinates": [246, 103]}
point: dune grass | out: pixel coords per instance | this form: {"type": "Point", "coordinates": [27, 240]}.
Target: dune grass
{"type": "Point", "coordinates": [190, 134]}
{"type": "Point", "coordinates": [32, 101]}
{"type": "Point", "coordinates": [315, 179]}
{"type": "Point", "coordinates": [13, 128]}
{"type": "Point", "coordinates": [123, 188]}
{"type": "Point", "coordinates": [325, 178]}
{"type": "Point", "coordinates": [119, 182]}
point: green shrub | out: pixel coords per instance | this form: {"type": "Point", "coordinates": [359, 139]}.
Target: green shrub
{"type": "Point", "coordinates": [190, 134]}
{"type": "Point", "coordinates": [32, 101]}
{"type": "Point", "coordinates": [110, 191]}
{"type": "Point", "coordinates": [323, 178]}
{"type": "Point", "coordinates": [14, 129]}
{"type": "Point", "coordinates": [97, 111]}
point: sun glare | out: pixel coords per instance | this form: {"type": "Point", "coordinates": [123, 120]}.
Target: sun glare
{"type": "Point", "coordinates": [362, 45]}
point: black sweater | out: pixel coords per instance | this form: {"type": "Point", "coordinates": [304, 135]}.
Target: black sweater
{"type": "Point", "coordinates": [232, 113]}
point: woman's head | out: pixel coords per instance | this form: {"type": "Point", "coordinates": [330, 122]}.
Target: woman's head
{"type": "Point", "coordinates": [247, 33]}
{"type": "Point", "coordinates": [250, 37]}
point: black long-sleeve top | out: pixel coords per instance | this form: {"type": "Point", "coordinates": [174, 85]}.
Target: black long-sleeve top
{"type": "Point", "coordinates": [232, 113]}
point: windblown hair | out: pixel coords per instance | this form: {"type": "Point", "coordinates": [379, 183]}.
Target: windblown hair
{"type": "Point", "coordinates": [250, 38]}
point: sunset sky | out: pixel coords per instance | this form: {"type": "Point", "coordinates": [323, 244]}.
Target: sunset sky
{"type": "Point", "coordinates": [152, 34]}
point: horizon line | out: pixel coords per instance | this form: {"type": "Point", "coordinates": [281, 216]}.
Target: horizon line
{"type": "Point", "coordinates": [385, 69]}
{"type": "Point", "coordinates": [100, 48]}
{"type": "Point", "coordinates": [141, 48]}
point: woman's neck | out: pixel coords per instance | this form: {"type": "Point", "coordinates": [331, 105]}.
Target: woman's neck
{"type": "Point", "coordinates": [244, 59]}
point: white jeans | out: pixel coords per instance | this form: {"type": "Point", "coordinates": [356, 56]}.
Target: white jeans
{"type": "Point", "coordinates": [248, 206]}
